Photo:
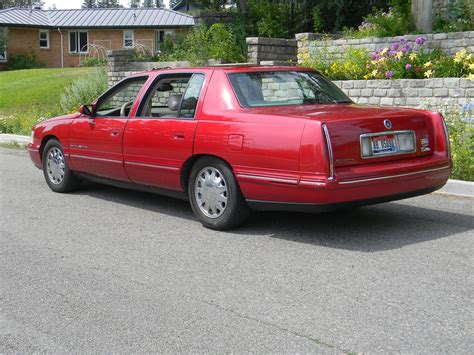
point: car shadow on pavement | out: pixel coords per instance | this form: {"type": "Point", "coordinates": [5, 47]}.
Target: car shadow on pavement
{"type": "Point", "coordinates": [367, 229]}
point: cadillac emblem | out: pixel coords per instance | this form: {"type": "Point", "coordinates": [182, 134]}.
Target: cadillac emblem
{"type": "Point", "coordinates": [387, 124]}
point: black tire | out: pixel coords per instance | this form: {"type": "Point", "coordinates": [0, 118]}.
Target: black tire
{"type": "Point", "coordinates": [235, 211]}
{"type": "Point", "coordinates": [67, 181]}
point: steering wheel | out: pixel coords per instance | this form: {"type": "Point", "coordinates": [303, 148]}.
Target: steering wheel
{"type": "Point", "coordinates": [124, 107]}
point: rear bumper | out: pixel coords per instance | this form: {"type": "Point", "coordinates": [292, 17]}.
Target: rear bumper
{"type": "Point", "coordinates": [311, 194]}
{"type": "Point", "coordinates": [33, 151]}
{"type": "Point", "coordinates": [312, 208]}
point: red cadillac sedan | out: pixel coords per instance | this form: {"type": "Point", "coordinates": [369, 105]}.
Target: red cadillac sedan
{"type": "Point", "coordinates": [233, 139]}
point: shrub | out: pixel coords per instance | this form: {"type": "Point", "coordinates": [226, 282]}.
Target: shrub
{"type": "Point", "coordinates": [23, 61]}
{"type": "Point", "coordinates": [93, 62]}
{"type": "Point", "coordinates": [396, 21]}
{"type": "Point", "coordinates": [456, 17]}
{"type": "Point", "coordinates": [461, 135]}
{"type": "Point", "coordinates": [21, 122]}
{"type": "Point", "coordinates": [202, 44]}
{"type": "Point", "coordinates": [84, 90]}
{"type": "Point", "coordinates": [351, 66]}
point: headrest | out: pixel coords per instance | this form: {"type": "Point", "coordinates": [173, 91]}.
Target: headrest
{"type": "Point", "coordinates": [173, 102]}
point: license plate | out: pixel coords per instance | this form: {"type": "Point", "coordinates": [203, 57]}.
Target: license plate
{"type": "Point", "coordinates": [383, 144]}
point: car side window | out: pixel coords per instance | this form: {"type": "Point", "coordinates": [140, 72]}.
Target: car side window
{"type": "Point", "coordinates": [173, 96]}
{"type": "Point", "coordinates": [191, 96]}
{"type": "Point", "coordinates": [119, 100]}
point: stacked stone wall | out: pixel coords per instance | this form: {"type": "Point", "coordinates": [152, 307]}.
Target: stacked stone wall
{"type": "Point", "coordinates": [311, 44]}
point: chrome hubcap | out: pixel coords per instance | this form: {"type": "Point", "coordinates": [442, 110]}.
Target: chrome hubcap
{"type": "Point", "coordinates": [55, 165]}
{"type": "Point", "coordinates": [210, 191]}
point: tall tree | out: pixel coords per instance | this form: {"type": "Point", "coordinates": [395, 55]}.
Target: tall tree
{"type": "Point", "coordinates": [108, 4]}
{"type": "Point", "coordinates": [89, 4]}
{"type": "Point", "coordinates": [5, 4]}
{"type": "Point", "coordinates": [134, 4]}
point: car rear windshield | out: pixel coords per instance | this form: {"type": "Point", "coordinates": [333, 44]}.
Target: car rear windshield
{"type": "Point", "coordinates": [282, 88]}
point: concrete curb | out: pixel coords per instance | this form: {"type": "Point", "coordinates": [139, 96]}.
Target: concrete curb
{"type": "Point", "coordinates": [15, 138]}
{"type": "Point", "coordinates": [453, 187]}
{"type": "Point", "coordinates": [458, 188]}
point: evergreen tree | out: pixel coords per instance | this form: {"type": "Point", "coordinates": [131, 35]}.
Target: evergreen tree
{"type": "Point", "coordinates": [89, 4]}
{"type": "Point", "coordinates": [148, 3]}
{"type": "Point", "coordinates": [134, 4]}
{"type": "Point", "coordinates": [108, 4]}
{"type": "Point", "coordinates": [5, 4]}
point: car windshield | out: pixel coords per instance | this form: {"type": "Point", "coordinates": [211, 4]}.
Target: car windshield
{"type": "Point", "coordinates": [281, 88]}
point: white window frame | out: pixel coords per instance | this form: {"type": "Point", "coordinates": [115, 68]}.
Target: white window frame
{"type": "Point", "coordinates": [133, 38]}
{"type": "Point", "coordinates": [42, 39]}
{"type": "Point", "coordinates": [78, 51]}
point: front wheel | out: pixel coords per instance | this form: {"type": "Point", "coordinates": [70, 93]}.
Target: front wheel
{"type": "Point", "coordinates": [56, 172]}
{"type": "Point", "coordinates": [215, 196]}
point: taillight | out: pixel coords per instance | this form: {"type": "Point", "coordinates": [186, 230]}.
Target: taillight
{"type": "Point", "coordinates": [446, 137]}
{"type": "Point", "coordinates": [329, 150]}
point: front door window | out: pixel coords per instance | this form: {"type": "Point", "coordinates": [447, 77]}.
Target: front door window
{"type": "Point", "coordinates": [119, 100]}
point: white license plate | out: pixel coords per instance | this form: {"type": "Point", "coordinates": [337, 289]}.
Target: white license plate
{"type": "Point", "coordinates": [383, 144]}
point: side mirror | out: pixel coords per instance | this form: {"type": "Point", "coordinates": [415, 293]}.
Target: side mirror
{"type": "Point", "coordinates": [86, 110]}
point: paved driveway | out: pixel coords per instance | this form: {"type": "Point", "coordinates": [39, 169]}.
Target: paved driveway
{"type": "Point", "coordinates": [106, 269]}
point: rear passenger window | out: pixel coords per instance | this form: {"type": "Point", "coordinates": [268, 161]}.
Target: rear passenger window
{"type": "Point", "coordinates": [173, 96]}
{"type": "Point", "coordinates": [191, 96]}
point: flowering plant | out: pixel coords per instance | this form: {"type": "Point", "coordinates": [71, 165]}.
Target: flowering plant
{"type": "Point", "coordinates": [402, 60]}
{"type": "Point", "coordinates": [380, 23]}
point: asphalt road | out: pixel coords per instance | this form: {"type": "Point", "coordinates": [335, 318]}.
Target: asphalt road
{"type": "Point", "coordinates": [105, 269]}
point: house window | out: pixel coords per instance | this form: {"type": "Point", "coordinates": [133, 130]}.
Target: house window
{"type": "Point", "coordinates": [78, 41]}
{"type": "Point", "coordinates": [160, 38]}
{"type": "Point", "coordinates": [44, 39]}
{"type": "Point", "coordinates": [128, 38]}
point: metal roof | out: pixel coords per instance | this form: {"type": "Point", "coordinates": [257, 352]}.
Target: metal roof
{"type": "Point", "coordinates": [95, 18]}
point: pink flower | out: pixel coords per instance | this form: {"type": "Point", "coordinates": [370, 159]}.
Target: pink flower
{"type": "Point", "coordinates": [420, 40]}
{"type": "Point", "coordinates": [408, 67]}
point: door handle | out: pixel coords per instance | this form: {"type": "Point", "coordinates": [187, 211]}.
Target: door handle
{"type": "Point", "coordinates": [114, 133]}
{"type": "Point", "coordinates": [178, 135]}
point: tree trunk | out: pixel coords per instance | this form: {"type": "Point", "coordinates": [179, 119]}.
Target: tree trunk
{"type": "Point", "coordinates": [422, 11]}
{"type": "Point", "coordinates": [242, 5]}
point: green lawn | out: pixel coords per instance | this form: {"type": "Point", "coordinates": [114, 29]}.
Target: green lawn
{"type": "Point", "coordinates": [35, 90]}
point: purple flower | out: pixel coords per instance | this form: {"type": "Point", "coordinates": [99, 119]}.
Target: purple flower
{"type": "Point", "coordinates": [402, 40]}
{"type": "Point", "coordinates": [408, 67]}
{"type": "Point", "coordinates": [404, 50]}
{"type": "Point", "coordinates": [420, 40]}
{"type": "Point", "coordinates": [389, 74]}
{"type": "Point", "coordinates": [395, 46]}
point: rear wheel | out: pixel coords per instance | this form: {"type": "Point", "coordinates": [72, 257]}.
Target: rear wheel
{"type": "Point", "coordinates": [215, 196]}
{"type": "Point", "coordinates": [56, 172]}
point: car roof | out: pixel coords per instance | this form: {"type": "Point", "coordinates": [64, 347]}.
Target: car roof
{"type": "Point", "coordinates": [225, 68]}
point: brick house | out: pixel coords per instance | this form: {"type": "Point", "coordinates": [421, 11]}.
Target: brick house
{"type": "Point", "coordinates": [60, 38]}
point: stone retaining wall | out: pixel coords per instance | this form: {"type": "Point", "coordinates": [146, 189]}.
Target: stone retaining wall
{"type": "Point", "coordinates": [271, 49]}
{"type": "Point", "coordinates": [430, 93]}
{"type": "Point", "coordinates": [119, 67]}
{"type": "Point", "coordinates": [312, 43]}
